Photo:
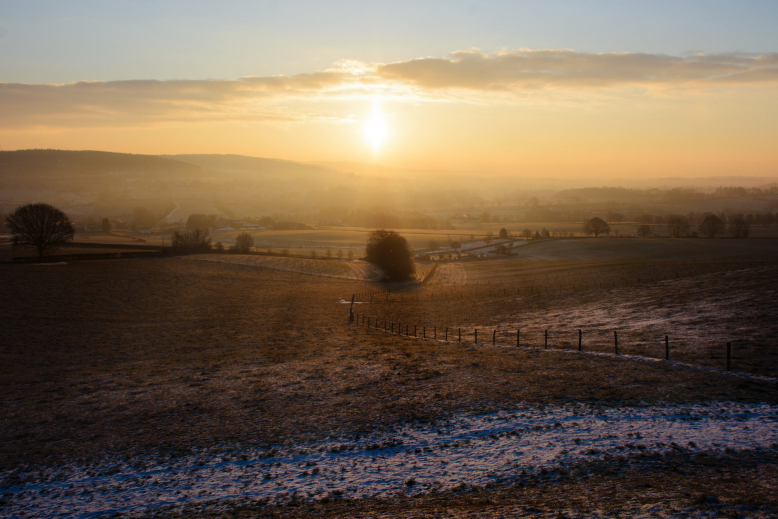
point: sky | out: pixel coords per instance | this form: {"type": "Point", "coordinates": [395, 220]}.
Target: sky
{"type": "Point", "coordinates": [565, 88]}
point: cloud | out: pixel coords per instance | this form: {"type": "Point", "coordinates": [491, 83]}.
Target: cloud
{"type": "Point", "coordinates": [95, 103]}
{"type": "Point", "coordinates": [537, 69]}
{"type": "Point", "coordinates": [282, 98]}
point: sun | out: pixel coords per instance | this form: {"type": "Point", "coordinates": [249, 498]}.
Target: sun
{"type": "Point", "coordinates": [376, 127]}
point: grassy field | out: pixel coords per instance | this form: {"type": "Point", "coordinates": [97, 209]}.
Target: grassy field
{"type": "Point", "coordinates": [108, 367]}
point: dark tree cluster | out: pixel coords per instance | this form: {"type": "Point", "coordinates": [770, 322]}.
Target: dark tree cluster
{"type": "Point", "coordinates": [390, 251]}
{"type": "Point", "coordinates": [191, 242]}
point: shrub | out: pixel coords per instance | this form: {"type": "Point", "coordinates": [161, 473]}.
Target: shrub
{"type": "Point", "coordinates": [390, 251]}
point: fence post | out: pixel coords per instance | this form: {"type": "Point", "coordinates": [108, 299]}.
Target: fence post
{"type": "Point", "coordinates": [729, 355]}
{"type": "Point", "coordinates": [546, 339]}
{"type": "Point", "coordinates": [460, 335]}
{"type": "Point", "coordinates": [616, 341]}
{"type": "Point", "coordinates": [446, 333]}
{"type": "Point", "coordinates": [414, 330]}
{"type": "Point", "coordinates": [425, 331]}
{"type": "Point", "coordinates": [435, 331]}
{"type": "Point", "coordinates": [667, 348]}
{"type": "Point", "coordinates": [580, 336]}
{"type": "Point", "coordinates": [476, 335]}
{"type": "Point", "coordinates": [518, 337]}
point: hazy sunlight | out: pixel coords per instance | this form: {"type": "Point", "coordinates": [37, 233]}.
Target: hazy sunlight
{"type": "Point", "coordinates": [376, 127]}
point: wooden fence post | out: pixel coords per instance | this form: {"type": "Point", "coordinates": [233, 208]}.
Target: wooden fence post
{"type": "Point", "coordinates": [446, 333]}
{"type": "Point", "coordinates": [476, 335]}
{"type": "Point", "coordinates": [435, 331]}
{"type": "Point", "coordinates": [518, 337]}
{"type": "Point", "coordinates": [494, 338]}
{"type": "Point", "coordinates": [425, 331]}
{"type": "Point", "coordinates": [414, 330]}
{"type": "Point", "coordinates": [729, 355]}
{"type": "Point", "coordinates": [667, 347]}
{"type": "Point", "coordinates": [580, 336]}
{"type": "Point", "coordinates": [546, 339]}
{"type": "Point", "coordinates": [616, 341]}
{"type": "Point", "coordinates": [460, 335]}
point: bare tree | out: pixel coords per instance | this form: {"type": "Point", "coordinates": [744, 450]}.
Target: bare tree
{"type": "Point", "coordinates": [739, 227]}
{"type": "Point", "coordinates": [711, 226]}
{"type": "Point", "coordinates": [196, 240]}
{"type": "Point", "coordinates": [489, 237]}
{"type": "Point", "coordinates": [243, 243]}
{"type": "Point", "coordinates": [678, 225]}
{"type": "Point", "coordinates": [597, 226]}
{"type": "Point", "coordinates": [41, 225]}
{"type": "Point", "coordinates": [644, 231]}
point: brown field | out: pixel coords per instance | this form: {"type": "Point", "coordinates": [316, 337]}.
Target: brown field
{"type": "Point", "coordinates": [117, 359]}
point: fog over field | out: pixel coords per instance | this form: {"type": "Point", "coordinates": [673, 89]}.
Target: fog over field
{"type": "Point", "coordinates": [410, 259]}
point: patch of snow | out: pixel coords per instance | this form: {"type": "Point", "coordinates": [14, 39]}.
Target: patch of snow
{"type": "Point", "coordinates": [472, 450]}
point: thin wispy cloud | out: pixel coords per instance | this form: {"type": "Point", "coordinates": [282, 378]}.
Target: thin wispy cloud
{"type": "Point", "coordinates": [279, 98]}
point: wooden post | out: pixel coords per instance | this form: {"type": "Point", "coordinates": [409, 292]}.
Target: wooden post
{"type": "Point", "coordinates": [476, 335]}
{"type": "Point", "coordinates": [494, 338]}
{"type": "Point", "coordinates": [425, 331]}
{"type": "Point", "coordinates": [406, 331]}
{"type": "Point", "coordinates": [667, 347]}
{"type": "Point", "coordinates": [460, 335]}
{"type": "Point", "coordinates": [435, 331]}
{"type": "Point", "coordinates": [546, 339]}
{"type": "Point", "coordinates": [616, 341]}
{"type": "Point", "coordinates": [580, 337]}
{"type": "Point", "coordinates": [729, 356]}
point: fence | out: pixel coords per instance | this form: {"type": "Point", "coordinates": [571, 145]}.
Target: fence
{"type": "Point", "coordinates": [389, 327]}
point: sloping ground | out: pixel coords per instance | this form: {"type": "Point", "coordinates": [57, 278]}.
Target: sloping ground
{"type": "Point", "coordinates": [324, 268]}
{"type": "Point", "coordinates": [700, 314]}
{"type": "Point", "coordinates": [409, 459]}
{"type": "Point", "coordinates": [663, 249]}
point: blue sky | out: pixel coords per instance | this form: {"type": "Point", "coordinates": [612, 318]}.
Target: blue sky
{"type": "Point", "coordinates": [59, 41]}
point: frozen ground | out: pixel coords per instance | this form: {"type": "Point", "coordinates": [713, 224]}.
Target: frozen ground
{"type": "Point", "coordinates": [409, 459]}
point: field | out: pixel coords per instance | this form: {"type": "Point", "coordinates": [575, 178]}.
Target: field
{"type": "Point", "coordinates": [238, 388]}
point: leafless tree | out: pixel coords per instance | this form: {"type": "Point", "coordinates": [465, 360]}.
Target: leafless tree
{"type": "Point", "coordinates": [711, 226]}
{"type": "Point", "coordinates": [41, 225]}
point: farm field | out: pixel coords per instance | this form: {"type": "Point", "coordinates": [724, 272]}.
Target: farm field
{"type": "Point", "coordinates": [176, 386]}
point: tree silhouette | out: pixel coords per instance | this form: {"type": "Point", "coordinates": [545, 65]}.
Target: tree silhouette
{"type": "Point", "coordinates": [678, 225]}
{"type": "Point", "coordinates": [390, 251]}
{"type": "Point", "coordinates": [41, 225]}
{"type": "Point", "coordinates": [711, 226]}
{"type": "Point", "coordinates": [597, 226]}
{"type": "Point", "coordinates": [243, 242]}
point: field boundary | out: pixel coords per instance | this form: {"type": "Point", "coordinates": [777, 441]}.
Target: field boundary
{"type": "Point", "coordinates": [640, 358]}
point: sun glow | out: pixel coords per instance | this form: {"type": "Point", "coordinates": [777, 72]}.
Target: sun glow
{"type": "Point", "coordinates": [376, 127]}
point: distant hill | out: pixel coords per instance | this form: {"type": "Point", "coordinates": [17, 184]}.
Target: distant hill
{"type": "Point", "coordinates": [254, 165]}
{"type": "Point", "coordinates": [65, 163]}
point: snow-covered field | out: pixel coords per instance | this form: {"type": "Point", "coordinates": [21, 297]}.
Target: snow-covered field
{"type": "Point", "coordinates": [411, 458]}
